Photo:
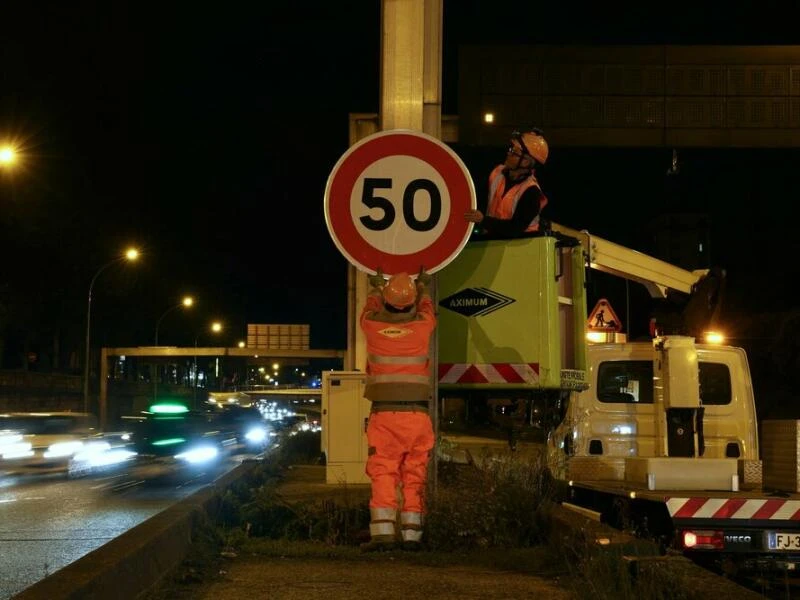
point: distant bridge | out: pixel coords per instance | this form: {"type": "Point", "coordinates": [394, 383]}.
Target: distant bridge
{"type": "Point", "coordinates": [177, 351]}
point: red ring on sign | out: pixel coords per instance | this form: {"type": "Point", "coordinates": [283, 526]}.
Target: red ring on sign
{"type": "Point", "coordinates": [343, 180]}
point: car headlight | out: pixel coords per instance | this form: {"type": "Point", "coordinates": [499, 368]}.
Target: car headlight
{"type": "Point", "coordinates": [199, 454]}
{"type": "Point", "coordinates": [12, 446]}
{"type": "Point", "coordinates": [256, 434]}
{"type": "Point", "coordinates": [112, 456]}
{"type": "Point", "coordinates": [91, 450]}
{"type": "Point", "coordinates": [9, 437]}
{"type": "Point", "coordinates": [60, 449]}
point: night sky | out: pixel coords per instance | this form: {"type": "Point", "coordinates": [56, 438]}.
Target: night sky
{"type": "Point", "coordinates": [204, 134]}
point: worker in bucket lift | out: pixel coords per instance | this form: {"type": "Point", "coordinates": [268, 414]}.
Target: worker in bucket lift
{"type": "Point", "coordinates": [515, 198]}
{"type": "Point", "coordinates": [398, 320]}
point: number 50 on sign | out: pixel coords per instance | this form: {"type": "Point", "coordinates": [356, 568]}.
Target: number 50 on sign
{"type": "Point", "coordinates": [396, 200]}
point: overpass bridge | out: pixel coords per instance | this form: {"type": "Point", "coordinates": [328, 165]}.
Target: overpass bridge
{"type": "Point", "coordinates": [158, 352]}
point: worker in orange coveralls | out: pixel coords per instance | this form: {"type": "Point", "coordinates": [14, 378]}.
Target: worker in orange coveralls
{"type": "Point", "coordinates": [398, 321]}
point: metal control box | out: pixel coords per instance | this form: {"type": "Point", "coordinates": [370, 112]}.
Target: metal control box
{"type": "Point", "coordinates": [345, 413]}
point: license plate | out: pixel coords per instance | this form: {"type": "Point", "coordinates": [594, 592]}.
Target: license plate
{"type": "Point", "coordinates": [782, 540]}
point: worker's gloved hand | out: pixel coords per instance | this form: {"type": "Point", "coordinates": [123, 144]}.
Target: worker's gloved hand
{"type": "Point", "coordinates": [377, 280]}
{"type": "Point", "coordinates": [424, 278]}
{"type": "Point", "coordinates": [473, 216]}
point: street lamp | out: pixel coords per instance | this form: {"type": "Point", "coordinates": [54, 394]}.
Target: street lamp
{"type": "Point", "coordinates": [8, 156]}
{"type": "Point", "coordinates": [187, 302]}
{"type": "Point", "coordinates": [130, 255]}
{"type": "Point", "coordinates": [215, 327]}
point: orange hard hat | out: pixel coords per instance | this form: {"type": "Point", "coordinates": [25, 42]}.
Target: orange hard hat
{"type": "Point", "coordinates": [533, 144]}
{"type": "Point", "coordinates": [400, 291]}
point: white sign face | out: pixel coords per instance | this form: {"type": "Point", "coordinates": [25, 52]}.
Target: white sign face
{"type": "Point", "coordinates": [417, 204]}
{"type": "Point", "coordinates": [396, 201]}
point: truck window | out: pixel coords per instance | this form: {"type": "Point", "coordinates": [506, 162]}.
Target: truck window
{"type": "Point", "coordinates": [625, 382]}
{"type": "Point", "coordinates": [715, 384]}
{"type": "Point", "coordinates": [631, 382]}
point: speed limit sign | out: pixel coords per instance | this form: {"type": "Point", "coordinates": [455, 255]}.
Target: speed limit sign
{"type": "Point", "coordinates": [396, 201]}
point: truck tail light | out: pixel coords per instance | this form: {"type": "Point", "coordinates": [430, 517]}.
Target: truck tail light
{"type": "Point", "coordinates": [702, 539]}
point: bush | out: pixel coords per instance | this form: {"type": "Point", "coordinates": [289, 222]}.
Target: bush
{"type": "Point", "coordinates": [253, 507]}
{"type": "Point", "coordinates": [504, 502]}
{"type": "Point", "coordinates": [300, 448]}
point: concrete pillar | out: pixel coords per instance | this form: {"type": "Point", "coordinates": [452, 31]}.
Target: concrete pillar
{"type": "Point", "coordinates": [410, 98]}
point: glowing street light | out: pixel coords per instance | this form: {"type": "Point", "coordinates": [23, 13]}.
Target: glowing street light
{"type": "Point", "coordinates": [187, 302]}
{"type": "Point", "coordinates": [8, 156]}
{"type": "Point", "coordinates": [215, 327]}
{"type": "Point", "coordinates": [130, 255]}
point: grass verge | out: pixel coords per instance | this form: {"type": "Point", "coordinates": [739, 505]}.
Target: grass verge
{"type": "Point", "coordinates": [496, 516]}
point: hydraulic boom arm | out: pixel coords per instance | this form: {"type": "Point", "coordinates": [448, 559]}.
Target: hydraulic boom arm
{"type": "Point", "coordinates": [694, 314]}
{"type": "Point", "coordinates": [656, 275]}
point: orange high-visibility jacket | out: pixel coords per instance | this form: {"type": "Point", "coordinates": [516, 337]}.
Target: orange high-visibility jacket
{"type": "Point", "coordinates": [398, 367]}
{"type": "Point", "coordinates": [503, 203]}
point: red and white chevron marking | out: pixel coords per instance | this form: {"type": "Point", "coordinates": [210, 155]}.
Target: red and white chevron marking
{"type": "Point", "coordinates": [489, 373]}
{"type": "Point", "coordinates": [734, 508]}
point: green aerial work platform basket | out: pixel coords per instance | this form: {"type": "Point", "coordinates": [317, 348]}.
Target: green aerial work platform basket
{"type": "Point", "coordinates": [513, 316]}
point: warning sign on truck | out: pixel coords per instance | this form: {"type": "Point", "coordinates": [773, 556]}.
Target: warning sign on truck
{"type": "Point", "coordinates": [603, 318]}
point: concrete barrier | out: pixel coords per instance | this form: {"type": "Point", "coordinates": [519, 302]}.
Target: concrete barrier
{"type": "Point", "coordinates": [135, 562]}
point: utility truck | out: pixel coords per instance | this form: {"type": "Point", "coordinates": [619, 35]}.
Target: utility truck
{"type": "Point", "coordinates": [659, 435]}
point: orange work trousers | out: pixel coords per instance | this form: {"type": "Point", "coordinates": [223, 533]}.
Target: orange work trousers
{"type": "Point", "coordinates": [400, 444]}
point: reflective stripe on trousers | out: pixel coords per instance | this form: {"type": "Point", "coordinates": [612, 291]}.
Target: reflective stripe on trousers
{"type": "Point", "coordinates": [382, 522]}
{"type": "Point", "coordinates": [411, 526]}
{"type": "Point", "coordinates": [399, 450]}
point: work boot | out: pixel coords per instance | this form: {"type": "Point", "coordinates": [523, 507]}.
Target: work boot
{"type": "Point", "coordinates": [379, 543]}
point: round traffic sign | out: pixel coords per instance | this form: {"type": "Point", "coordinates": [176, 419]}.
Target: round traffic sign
{"type": "Point", "coordinates": [396, 201]}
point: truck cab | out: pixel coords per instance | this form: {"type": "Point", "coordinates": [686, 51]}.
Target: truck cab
{"type": "Point", "coordinates": [616, 416]}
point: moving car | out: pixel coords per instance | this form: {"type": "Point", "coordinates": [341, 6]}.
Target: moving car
{"type": "Point", "coordinates": [251, 429]}
{"type": "Point", "coordinates": [56, 442]}
{"type": "Point", "coordinates": [170, 440]}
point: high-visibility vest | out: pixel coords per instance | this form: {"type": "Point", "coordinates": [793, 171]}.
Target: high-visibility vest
{"type": "Point", "coordinates": [398, 367]}
{"type": "Point", "coordinates": [503, 202]}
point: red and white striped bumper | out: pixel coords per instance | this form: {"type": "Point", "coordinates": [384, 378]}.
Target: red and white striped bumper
{"type": "Point", "coordinates": [489, 373]}
{"type": "Point", "coordinates": [734, 508]}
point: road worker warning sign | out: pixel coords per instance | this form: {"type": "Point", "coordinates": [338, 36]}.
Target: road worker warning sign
{"type": "Point", "coordinates": [603, 318]}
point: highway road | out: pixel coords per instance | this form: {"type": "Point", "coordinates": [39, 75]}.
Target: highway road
{"type": "Point", "coordinates": [47, 522]}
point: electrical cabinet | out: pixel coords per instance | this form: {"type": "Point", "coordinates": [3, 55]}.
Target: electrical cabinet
{"type": "Point", "coordinates": [345, 412]}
